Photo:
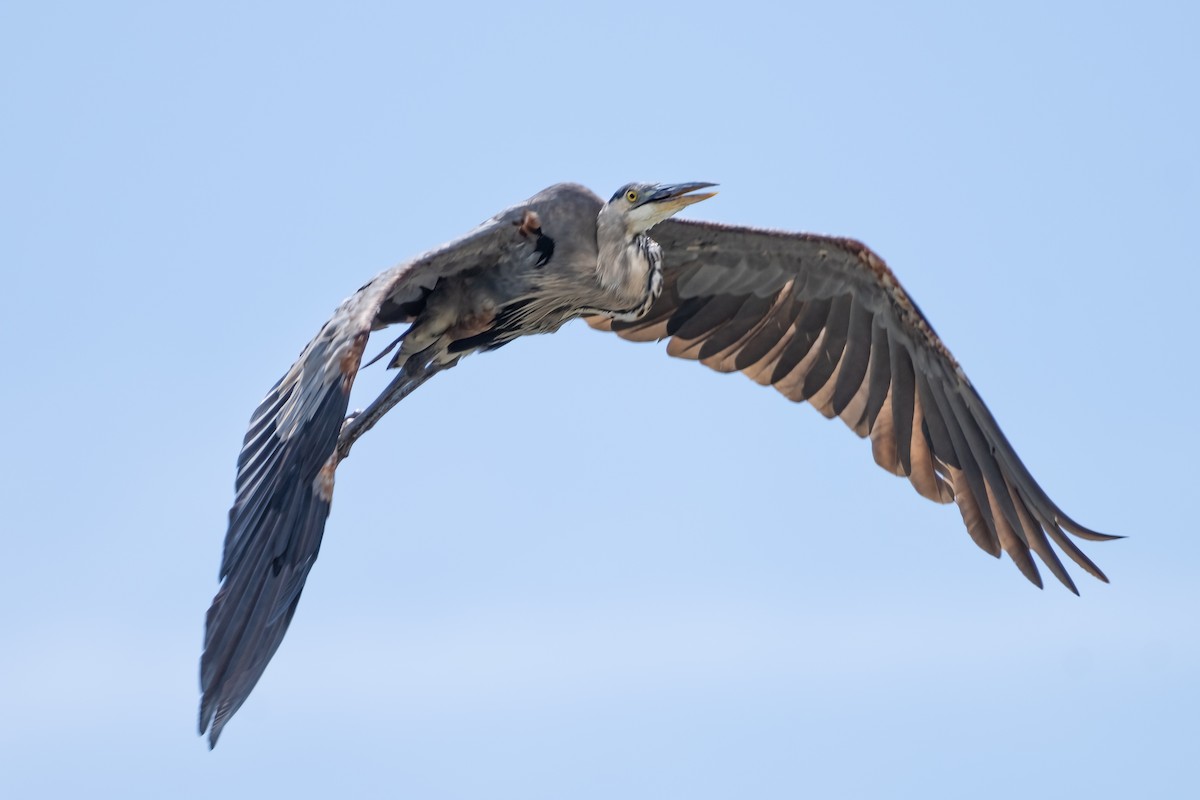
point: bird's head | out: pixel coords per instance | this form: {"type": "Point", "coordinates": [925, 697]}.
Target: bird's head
{"type": "Point", "coordinates": [641, 206]}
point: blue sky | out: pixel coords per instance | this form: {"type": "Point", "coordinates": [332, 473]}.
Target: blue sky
{"type": "Point", "coordinates": [504, 606]}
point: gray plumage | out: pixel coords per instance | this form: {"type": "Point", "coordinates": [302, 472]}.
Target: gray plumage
{"type": "Point", "coordinates": [819, 318]}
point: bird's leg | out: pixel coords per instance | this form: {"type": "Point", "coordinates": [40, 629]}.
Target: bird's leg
{"type": "Point", "coordinates": [414, 373]}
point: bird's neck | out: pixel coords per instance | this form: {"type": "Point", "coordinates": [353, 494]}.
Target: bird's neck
{"type": "Point", "coordinates": [629, 271]}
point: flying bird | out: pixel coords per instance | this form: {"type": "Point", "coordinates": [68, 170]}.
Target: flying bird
{"type": "Point", "coordinates": [819, 318]}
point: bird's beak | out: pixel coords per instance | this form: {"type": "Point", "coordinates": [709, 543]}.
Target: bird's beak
{"type": "Point", "coordinates": [673, 197]}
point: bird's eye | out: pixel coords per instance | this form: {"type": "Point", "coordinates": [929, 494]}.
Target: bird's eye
{"type": "Point", "coordinates": [631, 196]}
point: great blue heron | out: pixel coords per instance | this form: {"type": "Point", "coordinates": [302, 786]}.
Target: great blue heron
{"type": "Point", "coordinates": [821, 319]}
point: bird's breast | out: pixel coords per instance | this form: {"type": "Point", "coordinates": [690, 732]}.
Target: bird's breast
{"type": "Point", "coordinates": [638, 280]}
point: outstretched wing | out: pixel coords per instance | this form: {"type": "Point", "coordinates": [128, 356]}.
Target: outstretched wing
{"type": "Point", "coordinates": [824, 320]}
{"type": "Point", "coordinates": [285, 472]}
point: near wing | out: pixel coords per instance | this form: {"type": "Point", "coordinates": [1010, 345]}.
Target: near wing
{"type": "Point", "coordinates": [283, 492]}
{"type": "Point", "coordinates": [824, 320]}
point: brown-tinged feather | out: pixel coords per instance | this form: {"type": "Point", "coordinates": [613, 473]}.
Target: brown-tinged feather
{"type": "Point", "coordinates": [748, 315]}
{"type": "Point", "coordinates": [1012, 542]}
{"type": "Point", "coordinates": [762, 371]}
{"type": "Point", "coordinates": [903, 397]}
{"type": "Point", "coordinates": [348, 363]}
{"type": "Point", "coordinates": [971, 485]}
{"type": "Point", "coordinates": [686, 310]}
{"type": "Point", "coordinates": [879, 377]}
{"type": "Point", "coordinates": [855, 357]}
{"type": "Point", "coordinates": [935, 425]}
{"type": "Point", "coordinates": [923, 475]}
{"type": "Point", "coordinates": [717, 312]}
{"type": "Point", "coordinates": [832, 346]}
{"type": "Point", "coordinates": [977, 525]}
{"type": "Point", "coordinates": [792, 385]}
{"type": "Point", "coordinates": [883, 439]}
{"type": "Point", "coordinates": [984, 456]}
{"type": "Point", "coordinates": [808, 327]}
{"type": "Point", "coordinates": [768, 336]}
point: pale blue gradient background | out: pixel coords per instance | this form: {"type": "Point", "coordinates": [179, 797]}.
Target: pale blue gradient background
{"type": "Point", "coordinates": [507, 605]}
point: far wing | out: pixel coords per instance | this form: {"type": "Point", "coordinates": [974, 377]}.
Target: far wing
{"type": "Point", "coordinates": [285, 472]}
{"type": "Point", "coordinates": [824, 320]}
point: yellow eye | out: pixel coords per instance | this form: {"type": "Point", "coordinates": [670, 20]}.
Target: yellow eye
{"type": "Point", "coordinates": [631, 196]}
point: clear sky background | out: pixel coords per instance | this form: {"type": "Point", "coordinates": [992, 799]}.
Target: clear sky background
{"type": "Point", "coordinates": [505, 604]}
